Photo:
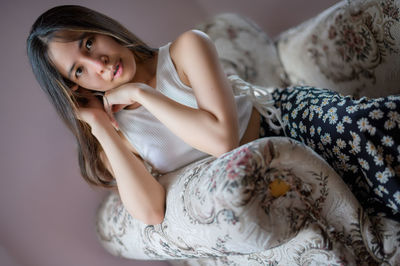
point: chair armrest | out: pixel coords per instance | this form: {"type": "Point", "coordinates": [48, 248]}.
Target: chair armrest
{"type": "Point", "coordinates": [229, 206]}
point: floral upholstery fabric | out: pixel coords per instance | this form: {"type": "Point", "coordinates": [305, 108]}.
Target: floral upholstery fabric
{"type": "Point", "coordinates": [352, 48]}
{"type": "Point", "coordinates": [233, 209]}
{"type": "Point", "coordinates": [273, 201]}
{"type": "Point", "coordinates": [245, 50]}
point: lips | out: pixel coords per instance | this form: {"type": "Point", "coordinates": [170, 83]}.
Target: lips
{"type": "Point", "coordinates": [118, 70]}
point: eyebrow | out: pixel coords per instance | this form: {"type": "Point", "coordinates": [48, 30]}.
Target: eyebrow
{"type": "Point", "coordinates": [73, 65]}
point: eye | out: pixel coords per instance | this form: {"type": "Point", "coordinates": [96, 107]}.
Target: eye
{"type": "Point", "coordinates": [89, 43]}
{"type": "Point", "coordinates": [78, 72]}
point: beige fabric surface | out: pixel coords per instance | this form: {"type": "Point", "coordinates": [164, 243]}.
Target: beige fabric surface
{"type": "Point", "coordinates": [352, 48]}
{"type": "Point", "coordinates": [225, 207]}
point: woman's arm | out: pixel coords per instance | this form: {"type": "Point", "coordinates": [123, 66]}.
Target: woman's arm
{"type": "Point", "coordinates": [213, 127]}
{"type": "Point", "coordinates": [140, 192]}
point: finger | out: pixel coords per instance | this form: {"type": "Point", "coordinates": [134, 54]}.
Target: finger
{"type": "Point", "coordinates": [112, 107]}
{"type": "Point", "coordinates": [107, 105]}
{"type": "Point", "coordinates": [108, 109]}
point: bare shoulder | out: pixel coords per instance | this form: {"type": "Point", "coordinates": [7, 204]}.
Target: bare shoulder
{"type": "Point", "coordinates": [193, 37]}
{"type": "Point", "coordinates": [190, 44]}
{"type": "Point", "coordinates": [196, 59]}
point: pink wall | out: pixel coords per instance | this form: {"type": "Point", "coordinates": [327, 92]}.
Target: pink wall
{"type": "Point", "coordinates": [47, 210]}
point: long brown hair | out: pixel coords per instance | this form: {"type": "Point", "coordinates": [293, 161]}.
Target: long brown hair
{"type": "Point", "coordinates": [83, 20]}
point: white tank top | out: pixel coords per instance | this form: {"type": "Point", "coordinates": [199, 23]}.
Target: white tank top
{"type": "Point", "coordinates": [154, 142]}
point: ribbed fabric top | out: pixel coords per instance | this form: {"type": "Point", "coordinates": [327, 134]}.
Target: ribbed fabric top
{"type": "Point", "coordinates": [155, 143]}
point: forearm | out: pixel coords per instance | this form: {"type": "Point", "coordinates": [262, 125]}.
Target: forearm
{"type": "Point", "coordinates": [140, 192]}
{"type": "Point", "coordinates": [199, 128]}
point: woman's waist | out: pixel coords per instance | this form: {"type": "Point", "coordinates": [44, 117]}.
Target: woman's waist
{"type": "Point", "coordinates": [253, 128]}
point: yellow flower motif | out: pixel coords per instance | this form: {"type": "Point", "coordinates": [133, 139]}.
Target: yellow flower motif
{"type": "Point", "coordinates": [278, 188]}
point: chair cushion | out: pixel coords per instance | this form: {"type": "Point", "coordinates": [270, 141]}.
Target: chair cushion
{"type": "Point", "coordinates": [352, 47]}
{"type": "Point", "coordinates": [245, 50]}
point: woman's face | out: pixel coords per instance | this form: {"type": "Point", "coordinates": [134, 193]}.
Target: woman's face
{"type": "Point", "coordinates": [95, 61]}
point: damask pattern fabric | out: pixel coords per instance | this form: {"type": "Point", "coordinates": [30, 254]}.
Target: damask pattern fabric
{"type": "Point", "coordinates": [359, 138]}
{"type": "Point", "coordinates": [352, 47]}
{"type": "Point", "coordinates": [229, 211]}
{"type": "Point", "coordinates": [245, 50]}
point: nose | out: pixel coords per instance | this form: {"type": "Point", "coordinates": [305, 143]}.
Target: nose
{"type": "Point", "coordinates": [98, 63]}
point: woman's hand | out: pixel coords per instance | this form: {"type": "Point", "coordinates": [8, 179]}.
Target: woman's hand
{"type": "Point", "coordinates": [91, 109]}
{"type": "Point", "coordinates": [122, 96]}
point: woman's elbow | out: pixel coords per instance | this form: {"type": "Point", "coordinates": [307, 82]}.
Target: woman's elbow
{"type": "Point", "coordinates": [226, 146]}
{"type": "Point", "coordinates": [150, 217]}
{"type": "Point", "coordinates": [154, 218]}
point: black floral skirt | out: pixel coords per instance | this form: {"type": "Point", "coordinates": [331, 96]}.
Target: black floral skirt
{"type": "Point", "coordinates": [359, 138]}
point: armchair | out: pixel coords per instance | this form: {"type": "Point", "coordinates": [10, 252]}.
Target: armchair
{"type": "Point", "coordinates": [274, 201]}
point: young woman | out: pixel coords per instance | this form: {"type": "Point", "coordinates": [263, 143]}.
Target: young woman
{"type": "Point", "coordinates": [132, 106]}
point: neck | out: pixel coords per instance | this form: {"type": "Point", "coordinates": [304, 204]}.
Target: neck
{"type": "Point", "coordinates": [146, 71]}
